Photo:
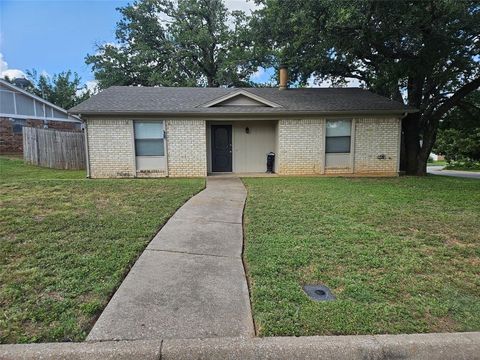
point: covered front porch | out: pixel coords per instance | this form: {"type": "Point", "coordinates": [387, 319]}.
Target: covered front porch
{"type": "Point", "coordinates": [240, 146]}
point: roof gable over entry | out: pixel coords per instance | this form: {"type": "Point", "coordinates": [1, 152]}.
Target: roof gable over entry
{"type": "Point", "coordinates": [241, 98]}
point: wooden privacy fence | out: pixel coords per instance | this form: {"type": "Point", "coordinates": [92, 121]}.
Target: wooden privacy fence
{"type": "Point", "coordinates": [53, 148]}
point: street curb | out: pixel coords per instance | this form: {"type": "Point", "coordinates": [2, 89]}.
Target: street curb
{"type": "Point", "coordinates": [454, 346]}
{"type": "Point", "coordinates": [118, 350]}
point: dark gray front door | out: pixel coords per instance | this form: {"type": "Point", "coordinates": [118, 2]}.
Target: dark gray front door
{"type": "Point", "coordinates": [221, 148]}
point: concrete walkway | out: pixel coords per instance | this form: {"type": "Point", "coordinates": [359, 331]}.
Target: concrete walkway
{"type": "Point", "coordinates": [190, 281]}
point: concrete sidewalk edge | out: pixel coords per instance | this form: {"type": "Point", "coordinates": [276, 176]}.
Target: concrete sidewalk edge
{"type": "Point", "coordinates": [412, 346]}
{"type": "Point", "coordinates": [118, 350]}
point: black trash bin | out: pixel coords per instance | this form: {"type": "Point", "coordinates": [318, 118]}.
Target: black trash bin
{"type": "Point", "coordinates": [270, 162]}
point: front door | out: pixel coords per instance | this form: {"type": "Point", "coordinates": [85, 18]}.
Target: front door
{"type": "Point", "coordinates": [221, 148]}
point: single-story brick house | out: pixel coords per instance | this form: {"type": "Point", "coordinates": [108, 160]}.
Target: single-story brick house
{"type": "Point", "coordinates": [190, 132]}
{"type": "Point", "coordinates": [19, 108]}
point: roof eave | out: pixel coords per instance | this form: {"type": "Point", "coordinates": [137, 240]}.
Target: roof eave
{"type": "Point", "coordinates": [245, 114]}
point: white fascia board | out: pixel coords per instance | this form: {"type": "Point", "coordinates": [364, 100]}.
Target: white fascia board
{"type": "Point", "coordinates": [244, 93]}
{"type": "Point", "coordinates": [32, 117]}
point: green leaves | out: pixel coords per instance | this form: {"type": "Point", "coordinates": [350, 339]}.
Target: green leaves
{"type": "Point", "coordinates": [61, 89]}
{"type": "Point", "coordinates": [459, 134]}
{"type": "Point", "coordinates": [184, 43]}
{"type": "Point", "coordinates": [459, 145]}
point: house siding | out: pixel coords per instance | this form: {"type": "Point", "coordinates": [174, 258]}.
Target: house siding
{"type": "Point", "coordinates": [301, 146]}
{"type": "Point", "coordinates": [187, 148]}
{"type": "Point", "coordinates": [111, 151]}
{"type": "Point", "coordinates": [376, 138]}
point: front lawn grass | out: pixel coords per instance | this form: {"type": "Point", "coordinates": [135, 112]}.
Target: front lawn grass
{"type": "Point", "coordinates": [402, 255]}
{"type": "Point", "coordinates": [67, 242]}
{"type": "Point", "coordinates": [13, 169]}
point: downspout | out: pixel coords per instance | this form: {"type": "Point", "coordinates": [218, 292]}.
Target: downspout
{"type": "Point", "coordinates": [87, 157]}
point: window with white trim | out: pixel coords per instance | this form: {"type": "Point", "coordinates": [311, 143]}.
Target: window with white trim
{"type": "Point", "coordinates": [149, 138]}
{"type": "Point", "coordinates": [338, 137]}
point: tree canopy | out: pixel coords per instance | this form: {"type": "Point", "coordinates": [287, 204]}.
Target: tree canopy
{"type": "Point", "coordinates": [177, 43]}
{"type": "Point", "coordinates": [459, 132]}
{"type": "Point", "coordinates": [424, 53]}
{"type": "Point", "coordinates": [62, 89]}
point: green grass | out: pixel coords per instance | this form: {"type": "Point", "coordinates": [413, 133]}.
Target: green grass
{"type": "Point", "coordinates": [13, 169]}
{"type": "Point", "coordinates": [437, 163]}
{"type": "Point", "coordinates": [402, 255]}
{"type": "Point", "coordinates": [67, 242]}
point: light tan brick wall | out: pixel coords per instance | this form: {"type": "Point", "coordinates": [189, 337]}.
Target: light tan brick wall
{"type": "Point", "coordinates": [111, 152]}
{"type": "Point", "coordinates": [375, 137]}
{"type": "Point", "coordinates": [301, 146]}
{"type": "Point", "coordinates": [187, 148]}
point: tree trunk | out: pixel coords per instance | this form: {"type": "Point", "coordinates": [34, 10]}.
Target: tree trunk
{"type": "Point", "coordinates": [422, 164]}
{"type": "Point", "coordinates": [413, 163]}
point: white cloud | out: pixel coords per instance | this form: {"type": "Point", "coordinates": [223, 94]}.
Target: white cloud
{"type": "Point", "coordinates": [3, 64]}
{"type": "Point", "coordinates": [313, 83]}
{"type": "Point", "coordinates": [244, 5]}
{"type": "Point", "coordinates": [45, 74]}
{"type": "Point", "coordinates": [257, 74]}
{"type": "Point", "coordinates": [11, 73]}
{"type": "Point", "coordinates": [92, 86]}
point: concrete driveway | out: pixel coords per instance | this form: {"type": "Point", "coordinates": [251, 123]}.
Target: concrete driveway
{"type": "Point", "coordinates": [438, 170]}
{"type": "Point", "coordinates": [190, 281]}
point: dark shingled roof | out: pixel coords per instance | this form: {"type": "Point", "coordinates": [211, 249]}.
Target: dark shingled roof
{"type": "Point", "coordinates": [181, 100]}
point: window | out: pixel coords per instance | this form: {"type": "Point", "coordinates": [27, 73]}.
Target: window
{"type": "Point", "coordinates": [149, 137]}
{"type": "Point", "coordinates": [338, 136]}
{"type": "Point", "coordinates": [7, 105]}
{"type": "Point", "coordinates": [18, 125]}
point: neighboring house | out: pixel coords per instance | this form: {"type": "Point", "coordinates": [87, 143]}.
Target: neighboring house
{"type": "Point", "coordinates": [19, 108]}
{"type": "Point", "coordinates": [189, 132]}
{"type": "Point", "coordinates": [436, 157]}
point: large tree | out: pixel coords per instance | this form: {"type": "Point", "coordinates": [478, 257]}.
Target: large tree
{"type": "Point", "coordinates": [424, 53]}
{"type": "Point", "coordinates": [458, 135]}
{"type": "Point", "coordinates": [176, 43]}
{"type": "Point", "coordinates": [63, 89]}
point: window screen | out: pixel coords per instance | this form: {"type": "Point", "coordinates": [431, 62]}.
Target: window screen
{"type": "Point", "coordinates": [39, 107]}
{"type": "Point", "coordinates": [6, 102]}
{"type": "Point", "coordinates": [338, 136]}
{"type": "Point", "coordinates": [149, 138]}
{"type": "Point", "coordinates": [24, 105]}
{"type": "Point", "coordinates": [18, 125]}
{"type": "Point", "coordinates": [59, 115]}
